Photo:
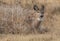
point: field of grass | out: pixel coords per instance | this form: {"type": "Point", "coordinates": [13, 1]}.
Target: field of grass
{"type": "Point", "coordinates": [18, 20]}
{"type": "Point", "coordinates": [31, 37]}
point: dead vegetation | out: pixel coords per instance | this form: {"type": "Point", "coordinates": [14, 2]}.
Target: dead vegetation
{"type": "Point", "coordinates": [30, 20]}
{"type": "Point", "coordinates": [18, 15]}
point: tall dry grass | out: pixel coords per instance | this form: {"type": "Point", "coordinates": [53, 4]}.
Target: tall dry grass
{"type": "Point", "coordinates": [15, 18]}
{"type": "Point", "coordinates": [14, 15]}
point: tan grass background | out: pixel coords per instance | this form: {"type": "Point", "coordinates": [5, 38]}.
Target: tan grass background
{"type": "Point", "coordinates": [19, 8]}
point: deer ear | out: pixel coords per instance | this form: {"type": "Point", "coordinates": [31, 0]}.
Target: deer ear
{"type": "Point", "coordinates": [42, 9]}
{"type": "Point", "coordinates": [35, 7]}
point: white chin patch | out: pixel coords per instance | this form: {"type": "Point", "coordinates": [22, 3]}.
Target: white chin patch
{"type": "Point", "coordinates": [38, 19]}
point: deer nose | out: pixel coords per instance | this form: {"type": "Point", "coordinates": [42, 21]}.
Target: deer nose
{"type": "Point", "coordinates": [41, 16]}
